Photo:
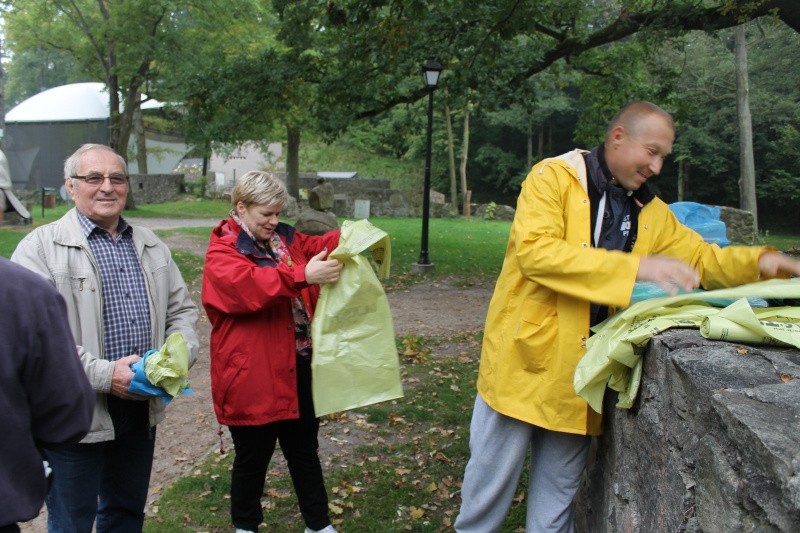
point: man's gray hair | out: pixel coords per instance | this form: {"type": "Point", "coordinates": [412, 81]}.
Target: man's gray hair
{"type": "Point", "coordinates": [71, 163]}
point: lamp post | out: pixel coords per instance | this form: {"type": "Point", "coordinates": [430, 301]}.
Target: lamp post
{"type": "Point", "coordinates": [430, 72]}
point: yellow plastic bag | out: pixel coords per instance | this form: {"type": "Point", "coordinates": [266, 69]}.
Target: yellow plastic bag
{"type": "Point", "coordinates": [614, 354]}
{"type": "Point", "coordinates": [355, 360]}
{"type": "Point", "coordinates": [168, 368]}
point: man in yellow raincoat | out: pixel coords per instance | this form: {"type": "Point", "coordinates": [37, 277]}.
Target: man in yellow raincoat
{"type": "Point", "coordinates": [586, 228]}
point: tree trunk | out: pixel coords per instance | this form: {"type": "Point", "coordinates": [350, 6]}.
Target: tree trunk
{"type": "Point", "coordinates": [116, 139]}
{"type": "Point", "coordinates": [126, 122]}
{"type": "Point", "coordinates": [463, 168]}
{"type": "Point", "coordinates": [540, 147]}
{"type": "Point", "coordinates": [141, 142]}
{"type": "Point", "coordinates": [114, 116]}
{"type": "Point", "coordinates": [529, 153]}
{"type": "Point", "coordinates": [683, 178]}
{"type": "Point", "coordinates": [206, 156]}
{"type": "Point", "coordinates": [451, 160]}
{"type": "Point", "coordinates": [747, 171]}
{"type": "Point", "coordinates": [293, 161]}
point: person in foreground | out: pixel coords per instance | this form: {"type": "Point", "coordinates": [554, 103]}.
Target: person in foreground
{"type": "Point", "coordinates": [38, 356]}
{"type": "Point", "coordinates": [586, 228]}
{"type": "Point", "coordinates": [124, 296]}
{"type": "Point", "coordinates": [260, 285]}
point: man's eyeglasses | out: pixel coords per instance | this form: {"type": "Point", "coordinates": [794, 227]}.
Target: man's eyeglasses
{"type": "Point", "coordinates": [117, 180]}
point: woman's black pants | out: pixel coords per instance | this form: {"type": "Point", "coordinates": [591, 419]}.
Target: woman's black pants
{"type": "Point", "coordinates": [254, 446]}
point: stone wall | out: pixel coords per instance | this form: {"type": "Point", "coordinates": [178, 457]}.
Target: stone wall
{"type": "Point", "coordinates": [155, 188]}
{"type": "Point", "coordinates": [146, 189]}
{"type": "Point", "coordinates": [384, 201]}
{"type": "Point", "coordinates": [712, 443]}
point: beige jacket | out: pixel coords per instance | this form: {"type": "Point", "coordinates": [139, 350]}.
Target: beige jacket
{"type": "Point", "coordinates": [59, 252]}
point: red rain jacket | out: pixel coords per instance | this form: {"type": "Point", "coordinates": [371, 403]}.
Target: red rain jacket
{"type": "Point", "coordinates": [247, 297]}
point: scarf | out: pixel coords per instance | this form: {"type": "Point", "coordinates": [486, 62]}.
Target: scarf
{"type": "Point", "coordinates": [276, 248]}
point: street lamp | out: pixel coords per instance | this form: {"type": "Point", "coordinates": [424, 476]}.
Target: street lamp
{"type": "Point", "coordinates": [430, 72]}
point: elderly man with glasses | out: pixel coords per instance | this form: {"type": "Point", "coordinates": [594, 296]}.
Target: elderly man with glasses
{"type": "Point", "coordinates": [124, 296]}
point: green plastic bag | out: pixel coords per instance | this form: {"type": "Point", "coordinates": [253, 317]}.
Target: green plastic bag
{"type": "Point", "coordinates": [355, 360]}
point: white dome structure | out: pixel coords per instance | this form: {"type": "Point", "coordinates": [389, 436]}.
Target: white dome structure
{"type": "Point", "coordinates": [46, 128]}
{"type": "Point", "coordinates": [76, 101]}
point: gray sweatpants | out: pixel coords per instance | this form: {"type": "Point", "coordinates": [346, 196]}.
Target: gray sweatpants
{"type": "Point", "coordinates": [498, 445]}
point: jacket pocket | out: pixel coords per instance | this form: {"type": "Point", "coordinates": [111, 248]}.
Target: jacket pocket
{"type": "Point", "coordinates": [535, 340]}
{"type": "Point", "coordinates": [72, 281]}
{"type": "Point", "coordinates": [233, 367]}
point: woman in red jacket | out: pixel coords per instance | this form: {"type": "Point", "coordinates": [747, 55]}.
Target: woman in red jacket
{"type": "Point", "coordinates": [260, 284]}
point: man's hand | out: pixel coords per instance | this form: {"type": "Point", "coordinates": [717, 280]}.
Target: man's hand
{"type": "Point", "coordinates": [668, 273]}
{"type": "Point", "coordinates": [319, 270]}
{"type": "Point", "coordinates": [122, 378]}
{"type": "Point", "coordinates": [777, 265]}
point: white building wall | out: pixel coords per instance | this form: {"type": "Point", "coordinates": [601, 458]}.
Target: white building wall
{"type": "Point", "coordinates": [242, 160]}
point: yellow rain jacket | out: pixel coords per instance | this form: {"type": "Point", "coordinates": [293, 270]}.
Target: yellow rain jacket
{"type": "Point", "coordinates": [538, 319]}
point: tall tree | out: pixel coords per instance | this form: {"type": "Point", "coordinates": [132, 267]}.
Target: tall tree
{"type": "Point", "coordinates": [704, 101]}
{"type": "Point", "coordinates": [123, 43]}
{"type": "Point", "coordinates": [451, 158]}
{"type": "Point", "coordinates": [30, 71]}
{"type": "Point", "coordinates": [248, 85]}
{"type": "Point", "coordinates": [747, 169]}
{"type": "Point", "coordinates": [381, 43]}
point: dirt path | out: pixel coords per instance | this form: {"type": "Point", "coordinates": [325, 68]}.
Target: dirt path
{"type": "Point", "coordinates": [191, 433]}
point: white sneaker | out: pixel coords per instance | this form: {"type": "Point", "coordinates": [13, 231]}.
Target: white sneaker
{"type": "Point", "coordinates": [244, 531]}
{"type": "Point", "coordinates": [328, 529]}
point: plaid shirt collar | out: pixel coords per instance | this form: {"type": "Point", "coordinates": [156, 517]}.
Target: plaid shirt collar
{"type": "Point", "coordinates": [88, 226]}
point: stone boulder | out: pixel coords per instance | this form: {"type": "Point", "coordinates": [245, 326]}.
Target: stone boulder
{"type": "Point", "coordinates": [711, 444]}
{"type": "Point", "coordinates": [313, 222]}
{"type": "Point", "coordinates": [321, 196]}
{"type": "Point", "coordinates": [501, 212]}
{"type": "Point", "coordinates": [290, 210]}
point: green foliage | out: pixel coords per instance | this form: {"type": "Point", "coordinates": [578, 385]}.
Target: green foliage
{"type": "Point", "coordinates": [704, 98]}
{"type": "Point", "coordinates": [618, 73]}
{"type": "Point", "coordinates": [343, 155]}
{"type": "Point", "coordinates": [32, 69]}
{"type": "Point", "coordinates": [198, 187]}
{"type": "Point", "coordinates": [779, 187]}
{"type": "Point", "coordinates": [491, 207]}
{"type": "Point", "coordinates": [252, 70]}
{"type": "Point", "coordinates": [501, 171]}
{"type": "Point", "coordinates": [92, 35]}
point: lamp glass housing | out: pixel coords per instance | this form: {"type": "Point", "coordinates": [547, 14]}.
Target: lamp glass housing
{"type": "Point", "coordinates": [430, 72]}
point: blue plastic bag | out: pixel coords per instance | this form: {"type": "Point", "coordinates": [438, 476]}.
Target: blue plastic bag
{"type": "Point", "coordinates": [703, 219]}
{"type": "Point", "coordinates": [646, 290]}
{"type": "Point", "coordinates": [142, 386]}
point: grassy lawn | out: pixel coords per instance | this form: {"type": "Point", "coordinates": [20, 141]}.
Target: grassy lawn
{"type": "Point", "coordinates": [464, 252]}
{"type": "Point", "coordinates": [406, 477]}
